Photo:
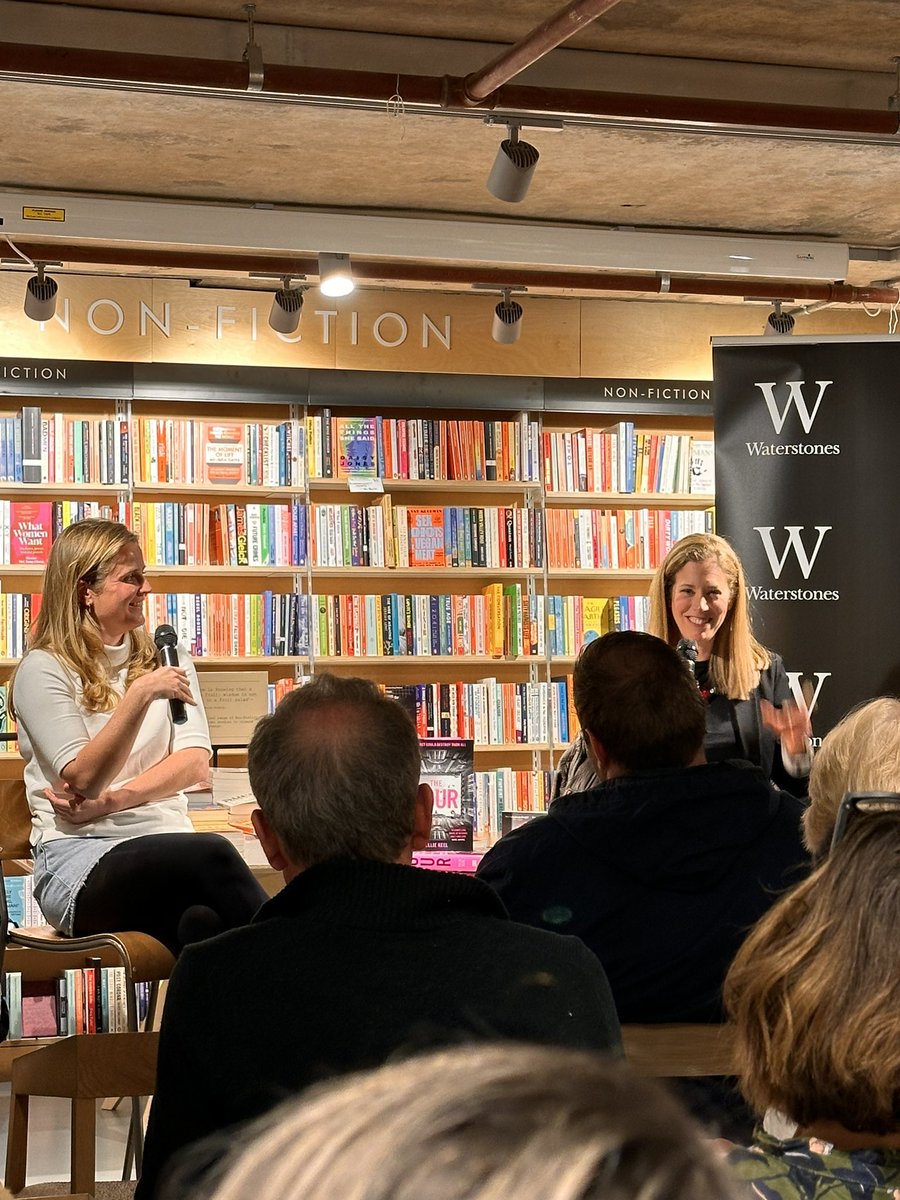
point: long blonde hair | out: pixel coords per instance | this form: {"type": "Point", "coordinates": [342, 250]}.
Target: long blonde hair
{"type": "Point", "coordinates": [82, 557]}
{"type": "Point", "coordinates": [737, 657]}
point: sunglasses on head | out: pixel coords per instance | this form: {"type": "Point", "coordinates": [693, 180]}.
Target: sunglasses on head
{"type": "Point", "coordinates": [863, 804]}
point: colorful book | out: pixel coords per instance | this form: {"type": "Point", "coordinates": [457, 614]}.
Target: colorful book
{"type": "Point", "coordinates": [30, 532]}
{"type": "Point", "coordinates": [223, 454]}
{"type": "Point", "coordinates": [448, 767]}
{"type": "Point", "coordinates": [356, 450]}
{"type": "Point", "coordinates": [426, 537]}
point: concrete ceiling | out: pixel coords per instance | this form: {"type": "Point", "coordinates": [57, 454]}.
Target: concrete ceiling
{"type": "Point", "coordinates": [402, 159]}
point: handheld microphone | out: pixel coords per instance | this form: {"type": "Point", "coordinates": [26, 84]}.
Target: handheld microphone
{"type": "Point", "coordinates": [688, 651]}
{"type": "Point", "coordinates": [166, 640]}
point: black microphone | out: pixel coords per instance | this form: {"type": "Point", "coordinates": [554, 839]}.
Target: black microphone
{"type": "Point", "coordinates": [166, 640]}
{"type": "Point", "coordinates": [686, 648]}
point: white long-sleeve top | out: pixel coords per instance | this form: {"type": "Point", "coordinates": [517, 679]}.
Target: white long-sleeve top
{"type": "Point", "coordinates": [54, 727]}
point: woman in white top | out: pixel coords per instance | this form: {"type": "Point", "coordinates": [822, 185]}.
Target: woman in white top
{"type": "Point", "coordinates": [105, 767]}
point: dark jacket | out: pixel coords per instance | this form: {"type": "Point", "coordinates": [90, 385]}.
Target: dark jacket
{"type": "Point", "coordinates": [350, 963]}
{"type": "Point", "coordinates": [661, 874]}
{"type": "Point", "coordinates": [752, 740]}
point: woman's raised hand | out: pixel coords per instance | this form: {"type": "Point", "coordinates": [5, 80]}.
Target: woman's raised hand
{"type": "Point", "coordinates": [790, 724]}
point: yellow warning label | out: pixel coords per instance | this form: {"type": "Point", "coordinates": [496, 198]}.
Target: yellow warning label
{"type": "Point", "coordinates": [30, 213]}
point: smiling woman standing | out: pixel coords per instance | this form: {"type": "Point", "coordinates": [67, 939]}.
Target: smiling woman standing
{"type": "Point", "coordinates": [699, 594]}
{"type": "Point", "coordinates": [105, 767]}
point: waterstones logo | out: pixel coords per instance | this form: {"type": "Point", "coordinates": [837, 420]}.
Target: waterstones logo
{"type": "Point", "coordinates": [806, 693]}
{"type": "Point", "coordinates": [806, 560]}
{"type": "Point", "coordinates": [793, 397]}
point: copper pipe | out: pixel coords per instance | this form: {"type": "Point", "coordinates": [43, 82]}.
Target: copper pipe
{"type": "Point", "coordinates": [99, 67]}
{"type": "Point", "coordinates": [540, 41]}
{"type": "Point", "coordinates": [460, 275]}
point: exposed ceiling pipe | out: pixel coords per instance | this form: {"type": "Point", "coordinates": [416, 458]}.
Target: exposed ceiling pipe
{"type": "Point", "coordinates": [540, 41]}
{"type": "Point", "coordinates": [463, 275]}
{"type": "Point", "coordinates": [98, 68]}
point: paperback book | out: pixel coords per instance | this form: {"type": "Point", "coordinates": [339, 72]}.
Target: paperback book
{"type": "Point", "coordinates": [448, 766]}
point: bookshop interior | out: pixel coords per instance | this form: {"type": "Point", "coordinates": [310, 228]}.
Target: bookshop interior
{"type": "Point", "coordinates": [429, 345]}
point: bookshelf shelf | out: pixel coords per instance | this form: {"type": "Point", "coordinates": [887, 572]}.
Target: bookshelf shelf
{"type": "Point", "coordinates": [276, 434]}
{"type": "Point", "coordinates": [441, 486]}
{"type": "Point", "coordinates": [659, 500]}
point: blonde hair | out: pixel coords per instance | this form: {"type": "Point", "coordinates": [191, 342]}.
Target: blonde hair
{"type": "Point", "coordinates": [860, 754]}
{"type": "Point", "coordinates": [814, 991]}
{"type": "Point", "coordinates": [488, 1122]}
{"type": "Point", "coordinates": [737, 657]}
{"type": "Point", "coordinates": [82, 557]}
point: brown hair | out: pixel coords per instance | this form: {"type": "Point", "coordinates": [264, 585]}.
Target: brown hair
{"type": "Point", "coordinates": [504, 1122]}
{"type": "Point", "coordinates": [737, 657]}
{"type": "Point", "coordinates": [860, 754]}
{"type": "Point", "coordinates": [814, 991]}
{"type": "Point", "coordinates": [638, 698]}
{"type": "Point", "coordinates": [82, 557]}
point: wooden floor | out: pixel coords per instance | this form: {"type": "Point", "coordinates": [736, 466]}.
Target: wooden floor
{"type": "Point", "coordinates": [48, 1139]}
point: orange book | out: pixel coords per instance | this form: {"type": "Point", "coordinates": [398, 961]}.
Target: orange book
{"type": "Point", "coordinates": [426, 537]}
{"type": "Point", "coordinates": [223, 454]}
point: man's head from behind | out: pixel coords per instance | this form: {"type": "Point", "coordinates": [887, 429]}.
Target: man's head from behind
{"type": "Point", "coordinates": [638, 701]}
{"type": "Point", "coordinates": [335, 771]}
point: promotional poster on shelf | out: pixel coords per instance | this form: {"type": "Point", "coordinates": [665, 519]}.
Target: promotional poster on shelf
{"type": "Point", "coordinates": [448, 766]}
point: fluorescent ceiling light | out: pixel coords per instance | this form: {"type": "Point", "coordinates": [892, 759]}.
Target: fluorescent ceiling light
{"type": "Point", "coordinates": [494, 243]}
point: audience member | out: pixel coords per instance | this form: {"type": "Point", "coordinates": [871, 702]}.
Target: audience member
{"type": "Point", "coordinates": [479, 1123]}
{"type": "Point", "coordinates": [860, 754]}
{"type": "Point", "coordinates": [361, 955]}
{"type": "Point", "coordinates": [815, 996]}
{"type": "Point", "coordinates": [664, 866]}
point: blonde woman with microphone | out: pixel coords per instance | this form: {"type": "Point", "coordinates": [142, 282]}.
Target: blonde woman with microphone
{"type": "Point", "coordinates": [699, 604]}
{"type": "Point", "coordinates": [106, 763]}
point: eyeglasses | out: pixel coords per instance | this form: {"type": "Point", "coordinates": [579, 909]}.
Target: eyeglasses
{"type": "Point", "coordinates": [863, 804]}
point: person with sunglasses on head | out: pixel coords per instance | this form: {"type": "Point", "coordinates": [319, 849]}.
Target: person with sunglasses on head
{"type": "Point", "coordinates": [105, 763]}
{"type": "Point", "coordinates": [814, 994]}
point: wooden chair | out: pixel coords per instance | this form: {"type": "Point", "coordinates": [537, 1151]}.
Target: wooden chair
{"type": "Point", "coordinates": [41, 953]}
{"type": "Point", "coordinates": [83, 1069]}
{"type": "Point", "coordinates": [667, 1051]}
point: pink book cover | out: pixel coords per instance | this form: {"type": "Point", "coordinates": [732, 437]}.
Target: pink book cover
{"type": "Point", "coordinates": [30, 532]}
{"type": "Point", "coordinates": [39, 1010]}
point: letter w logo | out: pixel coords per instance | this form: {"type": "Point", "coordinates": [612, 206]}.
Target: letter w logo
{"type": "Point", "coordinates": [795, 396]}
{"type": "Point", "coordinates": [795, 543]}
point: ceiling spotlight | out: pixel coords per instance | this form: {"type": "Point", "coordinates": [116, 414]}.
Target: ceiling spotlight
{"type": "Point", "coordinates": [335, 278]}
{"type": "Point", "coordinates": [40, 296]}
{"type": "Point", "coordinates": [287, 304]}
{"type": "Point", "coordinates": [513, 168]}
{"type": "Point", "coordinates": [507, 320]}
{"type": "Point", "coordinates": [779, 323]}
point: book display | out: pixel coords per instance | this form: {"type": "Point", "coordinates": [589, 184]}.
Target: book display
{"type": "Point", "coordinates": [460, 557]}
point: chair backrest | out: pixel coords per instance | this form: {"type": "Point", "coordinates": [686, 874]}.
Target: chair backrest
{"type": "Point", "coordinates": [680, 1050]}
{"type": "Point", "coordinates": [15, 821]}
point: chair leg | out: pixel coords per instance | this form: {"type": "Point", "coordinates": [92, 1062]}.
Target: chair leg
{"type": "Point", "coordinates": [84, 1146]}
{"type": "Point", "coordinates": [17, 1144]}
{"type": "Point", "coordinates": [134, 1148]}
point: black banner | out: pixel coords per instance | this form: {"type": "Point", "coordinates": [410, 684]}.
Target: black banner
{"type": "Point", "coordinates": [808, 492]}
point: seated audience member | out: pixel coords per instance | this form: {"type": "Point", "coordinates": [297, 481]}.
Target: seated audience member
{"type": "Point", "coordinates": [361, 956]}
{"type": "Point", "coordinates": [479, 1123]}
{"type": "Point", "coordinates": [663, 868]}
{"type": "Point", "coordinates": [815, 997]}
{"type": "Point", "coordinates": [860, 754]}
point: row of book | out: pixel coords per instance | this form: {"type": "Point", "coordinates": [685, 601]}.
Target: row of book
{"type": "Point", "coordinates": [90, 999]}
{"type": "Point", "coordinates": [623, 460]}
{"type": "Point", "coordinates": [113, 450]}
{"type": "Point", "coordinates": [491, 713]}
{"type": "Point", "coordinates": [501, 621]}
{"type": "Point", "coordinates": [506, 790]}
{"type": "Point", "coordinates": [618, 539]}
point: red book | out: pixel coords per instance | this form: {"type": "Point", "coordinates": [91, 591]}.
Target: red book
{"type": "Point", "coordinates": [30, 532]}
{"type": "Point", "coordinates": [223, 454]}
